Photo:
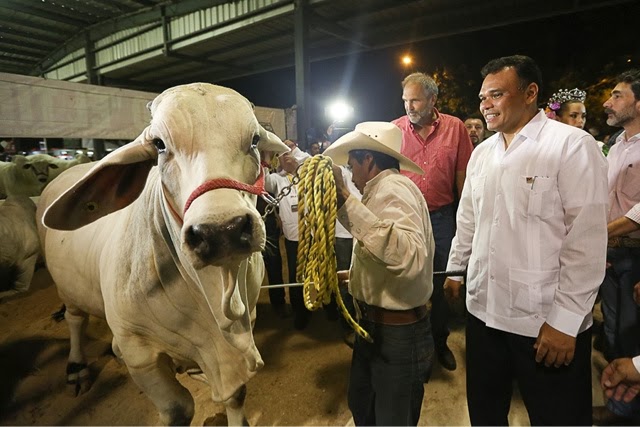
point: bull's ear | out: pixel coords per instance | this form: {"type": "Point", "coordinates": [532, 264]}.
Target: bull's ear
{"type": "Point", "coordinates": [82, 158]}
{"type": "Point", "coordinates": [269, 141]}
{"type": "Point", "coordinates": [19, 160]}
{"type": "Point", "coordinates": [110, 185]}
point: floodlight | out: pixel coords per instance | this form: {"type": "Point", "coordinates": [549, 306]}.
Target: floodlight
{"type": "Point", "coordinates": [339, 111]}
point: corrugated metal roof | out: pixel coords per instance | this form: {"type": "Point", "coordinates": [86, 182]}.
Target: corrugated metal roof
{"type": "Point", "coordinates": [152, 44]}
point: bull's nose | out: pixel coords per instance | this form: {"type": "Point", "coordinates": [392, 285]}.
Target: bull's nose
{"type": "Point", "coordinates": [211, 241]}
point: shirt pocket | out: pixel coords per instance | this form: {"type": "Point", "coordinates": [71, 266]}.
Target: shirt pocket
{"type": "Point", "coordinates": [536, 196]}
{"type": "Point", "coordinates": [445, 160]}
{"type": "Point", "coordinates": [532, 291]}
{"type": "Point", "coordinates": [475, 291]}
{"type": "Point", "coordinates": [631, 183]}
{"type": "Point", "coordinates": [477, 192]}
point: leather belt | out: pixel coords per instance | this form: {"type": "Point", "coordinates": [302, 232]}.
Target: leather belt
{"type": "Point", "coordinates": [392, 317]}
{"type": "Point", "coordinates": [623, 242]}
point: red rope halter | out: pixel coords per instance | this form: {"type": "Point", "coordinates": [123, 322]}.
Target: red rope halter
{"type": "Point", "coordinates": [257, 188]}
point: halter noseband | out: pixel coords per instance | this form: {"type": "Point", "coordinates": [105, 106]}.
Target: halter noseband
{"type": "Point", "coordinates": [214, 184]}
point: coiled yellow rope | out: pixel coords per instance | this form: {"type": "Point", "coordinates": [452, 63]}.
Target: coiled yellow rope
{"type": "Point", "coordinates": [317, 213]}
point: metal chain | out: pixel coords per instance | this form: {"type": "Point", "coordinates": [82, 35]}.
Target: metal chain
{"type": "Point", "coordinates": [273, 202]}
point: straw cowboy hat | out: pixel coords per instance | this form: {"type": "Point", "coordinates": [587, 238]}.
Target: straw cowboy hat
{"type": "Point", "coordinates": [383, 137]}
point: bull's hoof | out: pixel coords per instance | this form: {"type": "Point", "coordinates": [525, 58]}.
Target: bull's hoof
{"type": "Point", "coordinates": [217, 420]}
{"type": "Point", "coordinates": [78, 378]}
{"type": "Point", "coordinates": [58, 316]}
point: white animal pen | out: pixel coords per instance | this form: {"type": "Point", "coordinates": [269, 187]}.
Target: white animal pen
{"type": "Point", "coordinates": [36, 107]}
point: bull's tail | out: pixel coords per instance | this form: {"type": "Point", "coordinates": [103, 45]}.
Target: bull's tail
{"type": "Point", "coordinates": [58, 316]}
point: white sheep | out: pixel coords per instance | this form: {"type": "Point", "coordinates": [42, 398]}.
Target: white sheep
{"type": "Point", "coordinates": [19, 244]}
{"type": "Point", "coordinates": [28, 175]}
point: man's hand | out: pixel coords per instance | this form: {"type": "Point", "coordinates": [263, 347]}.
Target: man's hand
{"type": "Point", "coordinates": [341, 189]}
{"type": "Point", "coordinates": [620, 380]}
{"type": "Point", "coordinates": [289, 143]}
{"type": "Point", "coordinates": [343, 277]}
{"type": "Point", "coordinates": [554, 347]}
{"type": "Point", "coordinates": [451, 289]}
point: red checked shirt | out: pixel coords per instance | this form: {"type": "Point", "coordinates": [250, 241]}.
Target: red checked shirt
{"type": "Point", "coordinates": [445, 151]}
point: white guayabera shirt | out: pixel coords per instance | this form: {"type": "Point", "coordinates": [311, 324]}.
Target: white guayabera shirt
{"type": "Point", "coordinates": [532, 229]}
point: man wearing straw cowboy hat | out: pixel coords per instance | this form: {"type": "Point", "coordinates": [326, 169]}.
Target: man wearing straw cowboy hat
{"type": "Point", "coordinates": [390, 277]}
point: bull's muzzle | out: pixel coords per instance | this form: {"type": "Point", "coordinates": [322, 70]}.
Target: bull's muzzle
{"type": "Point", "coordinates": [214, 242]}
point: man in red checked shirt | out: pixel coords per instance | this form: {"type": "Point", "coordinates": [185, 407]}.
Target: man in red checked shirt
{"type": "Point", "coordinates": [440, 145]}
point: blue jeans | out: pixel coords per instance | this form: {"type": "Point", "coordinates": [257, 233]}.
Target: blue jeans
{"type": "Point", "coordinates": [620, 311]}
{"type": "Point", "coordinates": [621, 317]}
{"type": "Point", "coordinates": [443, 223]}
{"type": "Point", "coordinates": [387, 376]}
{"type": "Point", "coordinates": [629, 410]}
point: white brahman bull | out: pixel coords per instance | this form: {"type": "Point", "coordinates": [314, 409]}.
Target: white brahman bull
{"type": "Point", "coordinates": [19, 244]}
{"type": "Point", "coordinates": [169, 255]}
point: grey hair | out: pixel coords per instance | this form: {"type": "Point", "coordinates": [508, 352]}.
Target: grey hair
{"type": "Point", "coordinates": [428, 84]}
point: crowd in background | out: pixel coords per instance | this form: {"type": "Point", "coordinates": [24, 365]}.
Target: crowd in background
{"type": "Point", "coordinates": [544, 218]}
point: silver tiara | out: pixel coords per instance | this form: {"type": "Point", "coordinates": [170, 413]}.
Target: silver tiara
{"type": "Point", "coordinates": [566, 95]}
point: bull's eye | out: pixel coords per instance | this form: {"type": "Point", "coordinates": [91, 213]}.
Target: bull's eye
{"type": "Point", "coordinates": [52, 166]}
{"type": "Point", "coordinates": [256, 139]}
{"type": "Point", "coordinates": [159, 145]}
{"type": "Point", "coordinates": [27, 166]}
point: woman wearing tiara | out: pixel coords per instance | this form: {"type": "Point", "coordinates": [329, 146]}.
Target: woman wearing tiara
{"type": "Point", "coordinates": [567, 106]}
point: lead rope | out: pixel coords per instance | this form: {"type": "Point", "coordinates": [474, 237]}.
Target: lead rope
{"type": "Point", "coordinates": [317, 213]}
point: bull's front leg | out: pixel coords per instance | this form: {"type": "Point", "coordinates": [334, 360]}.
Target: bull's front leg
{"type": "Point", "coordinates": [235, 408]}
{"type": "Point", "coordinates": [155, 375]}
{"type": "Point", "coordinates": [78, 375]}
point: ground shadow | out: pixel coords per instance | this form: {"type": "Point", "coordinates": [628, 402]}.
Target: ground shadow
{"type": "Point", "coordinates": [18, 360]}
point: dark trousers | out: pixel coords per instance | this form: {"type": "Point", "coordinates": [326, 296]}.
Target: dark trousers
{"type": "Point", "coordinates": [296, 294]}
{"type": "Point", "coordinates": [552, 396]}
{"type": "Point", "coordinates": [444, 228]}
{"type": "Point", "coordinates": [386, 379]}
{"type": "Point", "coordinates": [273, 260]}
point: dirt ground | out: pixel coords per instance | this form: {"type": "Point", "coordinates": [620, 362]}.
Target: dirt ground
{"type": "Point", "coordinates": [304, 381]}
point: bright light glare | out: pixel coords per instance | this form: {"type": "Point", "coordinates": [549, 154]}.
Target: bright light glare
{"type": "Point", "coordinates": [339, 111]}
{"type": "Point", "coordinates": [407, 60]}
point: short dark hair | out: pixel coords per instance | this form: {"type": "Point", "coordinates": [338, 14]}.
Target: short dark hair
{"type": "Point", "coordinates": [526, 69]}
{"type": "Point", "coordinates": [632, 78]}
{"type": "Point", "coordinates": [477, 116]}
{"type": "Point", "coordinates": [383, 161]}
